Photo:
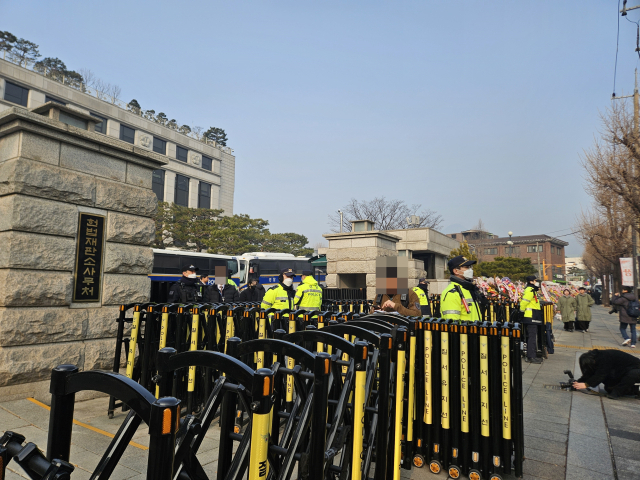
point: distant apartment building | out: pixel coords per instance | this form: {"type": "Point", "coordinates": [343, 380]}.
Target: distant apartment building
{"type": "Point", "coordinates": [199, 174]}
{"type": "Point", "coordinates": [546, 253]}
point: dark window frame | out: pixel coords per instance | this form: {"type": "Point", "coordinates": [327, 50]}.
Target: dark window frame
{"type": "Point", "coordinates": [123, 130]}
{"type": "Point", "coordinates": [186, 153]}
{"type": "Point", "coordinates": [22, 99]}
{"type": "Point", "coordinates": [102, 126]}
{"type": "Point", "coordinates": [202, 197]}
{"type": "Point", "coordinates": [209, 161]}
{"type": "Point", "coordinates": [48, 98]}
{"type": "Point", "coordinates": [163, 150]}
{"type": "Point", "coordinates": [154, 184]}
{"type": "Point", "coordinates": [178, 189]}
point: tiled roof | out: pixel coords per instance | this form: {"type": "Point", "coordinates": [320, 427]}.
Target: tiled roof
{"type": "Point", "coordinates": [519, 240]}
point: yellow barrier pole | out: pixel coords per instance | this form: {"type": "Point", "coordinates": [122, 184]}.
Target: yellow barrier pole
{"type": "Point", "coordinates": [290, 363]}
{"type": "Point", "coordinates": [135, 329]}
{"type": "Point", "coordinates": [358, 409]}
{"type": "Point", "coordinates": [400, 369]}
{"type": "Point", "coordinates": [262, 334]}
{"type": "Point", "coordinates": [412, 384]}
{"type": "Point", "coordinates": [229, 329]}
{"type": "Point", "coordinates": [164, 327]}
{"type": "Point", "coordinates": [484, 392]}
{"type": "Point", "coordinates": [320, 345]}
{"type": "Point", "coordinates": [261, 396]}
{"type": "Point", "coordinates": [428, 412]}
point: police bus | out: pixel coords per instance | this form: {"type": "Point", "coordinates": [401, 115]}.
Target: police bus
{"type": "Point", "coordinates": [264, 266]}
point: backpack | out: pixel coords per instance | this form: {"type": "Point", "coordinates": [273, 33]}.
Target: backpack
{"type": "Point", "coordinates": [633, 309]}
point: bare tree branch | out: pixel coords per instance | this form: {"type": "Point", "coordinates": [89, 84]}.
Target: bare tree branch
{"type": "Point", "coordinates": [387, 215]}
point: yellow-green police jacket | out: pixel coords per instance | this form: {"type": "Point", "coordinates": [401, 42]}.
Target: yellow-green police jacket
{"type": "Point", "coordinates": [451, 307]}
{"type": "Point", "coordinates": [530, 306]}
{"type": "Point", "coordinates": [277, 298]}
{"type": "Point", "coordinates": [308, 294]}
{"type": "Point", "coordinates": [425, 308]}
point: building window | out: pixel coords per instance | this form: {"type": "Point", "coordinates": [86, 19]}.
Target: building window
{"type": "Point", "coordinates": [207, 163]}
{"type": "Point", "coordinates": [490, 251]}
{"type": "Point", "coordinates": [16, 94]}
{"type": "Point", "coordinates": [102, 126]}
{"type": "Point", "coordinates": [47, 98]}
{"type": "Point", "coordinates": [511, 250]}
{"type": "Point", "coordinates": [204, 195]}
{"type": "Point", "coordinates": [127, 134]}
{"type": "Point", "coordinates": [181, 153]}
{"type": "Point", "coordinates": [159, 146]}
{"type": "Point", "coordinates": [182, 191]}
{"type": "Point", "coordinates": [158, 184]}
{"type": "Point", "coordinates": [558, 251]}
{"type": "Point", "coordinates": [73, 120]}
{"type": "Point", "coordinates": [532, 248]}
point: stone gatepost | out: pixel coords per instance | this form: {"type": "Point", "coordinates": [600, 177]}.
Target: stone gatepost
{"type": "Point", "coordinates": [76, 223]}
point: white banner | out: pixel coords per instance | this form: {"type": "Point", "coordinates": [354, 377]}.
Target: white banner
{"type": "Point", "coordinates": [626, 265]}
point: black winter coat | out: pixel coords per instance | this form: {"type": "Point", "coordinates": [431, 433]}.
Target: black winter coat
{"type": "Point", "coordinates": [252, 294]}
{"type": "Point", "coordinates": [229, 294]}
{"type": "Point", "coordinates": [611, 366]}
{"type": "Point", "coordinates": [622, 301]}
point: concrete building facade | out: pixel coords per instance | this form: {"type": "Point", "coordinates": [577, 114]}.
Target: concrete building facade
{"type": "Point", "coordinates": [197, 174]}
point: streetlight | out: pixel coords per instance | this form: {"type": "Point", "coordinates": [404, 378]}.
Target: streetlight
{"type": "Point", "coordinates": [510, 243]}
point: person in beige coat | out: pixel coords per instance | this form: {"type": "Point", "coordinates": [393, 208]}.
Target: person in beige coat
{"type": "Point", "coordinates": [583, 310]}
{"type": "Point", "coordinates": [567, 307]}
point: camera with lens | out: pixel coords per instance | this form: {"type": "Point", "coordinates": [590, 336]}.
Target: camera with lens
{"type": "Point", "coordinates": [568, 385]}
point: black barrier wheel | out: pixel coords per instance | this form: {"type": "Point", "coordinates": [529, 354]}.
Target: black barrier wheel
{"type": "Point", "coordinates": [418, 461]}
{"type": "Point", "coordinates": [454, 472]}
{"type": "Point", "coordinates": [495, 476]}
{"type": "Point", "coordinates": [435, 466]}
{"type": "Point", "coordinates": [474, 475]}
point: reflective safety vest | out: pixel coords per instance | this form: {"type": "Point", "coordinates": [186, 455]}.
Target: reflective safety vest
{"type": "Point", "coordinates": [421, 296]}
{"type": "Point", "coordinates": [277, 298]}
{"type": "Point", "coordinates": [451, 307]}
{"type": "Point", "coordinates": [308, 295]}
{"type": "Point", "coordinates": [530, 305]}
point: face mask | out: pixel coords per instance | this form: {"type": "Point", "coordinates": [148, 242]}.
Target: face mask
{"type": "Point", "coordinates": [288, 281]}
{"type": "Point", "coordinates": [193, 275]}
{"type": "Point", "coordinates": [468, 274]}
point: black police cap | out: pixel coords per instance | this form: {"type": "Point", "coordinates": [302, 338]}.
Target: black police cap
{"type": "Point", "coordinates": [459, 261]}
{"type": "Point", "coordinates": [307, 272]}
{"type": "Point", "coordinates": [188, 266]}
{"type": "Point", "coordinates": [288, 272]}
{"type": "Point", "coordinates": [531, 278]}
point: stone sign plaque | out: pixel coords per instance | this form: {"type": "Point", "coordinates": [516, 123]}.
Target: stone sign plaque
{"type": "Point", "coordinates": [87, 279]}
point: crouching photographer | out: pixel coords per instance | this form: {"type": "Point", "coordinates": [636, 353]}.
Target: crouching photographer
{"type": "Point", "coordinates": [619, 371]}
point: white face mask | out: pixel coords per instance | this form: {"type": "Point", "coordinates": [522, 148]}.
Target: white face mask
{"type": "Point", "coordinates": [288, 281]}
{"type": "Point", "coordinates": [193, 275]}
{"type": "Point", "coordinates": [468, 274]}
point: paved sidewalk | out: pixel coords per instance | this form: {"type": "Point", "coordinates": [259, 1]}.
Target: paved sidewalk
{"type": "Point", "coordinates": [568, 435]}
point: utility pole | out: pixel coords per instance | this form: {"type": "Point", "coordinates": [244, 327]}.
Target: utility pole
{"type": "Point", "coordinates": [538, 250]}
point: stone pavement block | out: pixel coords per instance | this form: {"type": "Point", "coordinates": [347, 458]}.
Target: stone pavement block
{"type": "Point", "coordinates": [12, 472]}
{"type": "Point", "coordinates": [577, 473]}
{"type": "Point", "coordinates": [544, 444]}
{"type": "Point", "coordinates": [547, 426]}
{"type": "Point", "coordinates": [556, 437]}
{"type": "Point", "coordinates": [135, 459]}
{"type": "Point", "coordinates": [542, 409]}
{"type": "Point", "coordinates": [545, 457]}
{"type": "Point", "coordinates": [589, 453]}
{"type": "Point", "coordinates": [543, 470]}
{"type": "Point", "coordinates": [547, 418]}
{"type": "Point", "coordinates": [9, 421]}
{"type": "Point", "coordinates": [589, 426]}
{"type": "Point", "coordinates": [27, 410]}
{"type": "Point", "coordinates": [624, 447]}
{"type": "Point", "coordinates": [628, 464]}
{"type": "Point", "coordinates": [34, 435]}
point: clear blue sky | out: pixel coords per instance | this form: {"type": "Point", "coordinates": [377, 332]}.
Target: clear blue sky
{"type": "Point", "coordinates": [474, 109]}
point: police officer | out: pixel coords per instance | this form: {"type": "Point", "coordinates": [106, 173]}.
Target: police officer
{"type": "Point", "coordinates": [202, 286]}
{"type": "Point", "coordinates": [308, 294]}
{"type": "Point", "coordinates": [185, 290]}
{"type": "Point", "coordinates": [530, 308]}
{"type": "Point", "coordinates": [253, 293]}
{"type": "Point", "coordinates": [281, 296]}
{"type": "Point", "coordinates": [461, 299]}
{"type": "Point", "coordinates": [422, 290]}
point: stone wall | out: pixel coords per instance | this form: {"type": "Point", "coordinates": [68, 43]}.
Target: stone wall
{"type": "Point", "coordinates": [356, 252]}
{"type": "Point", "coordinates": [49, 173]}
